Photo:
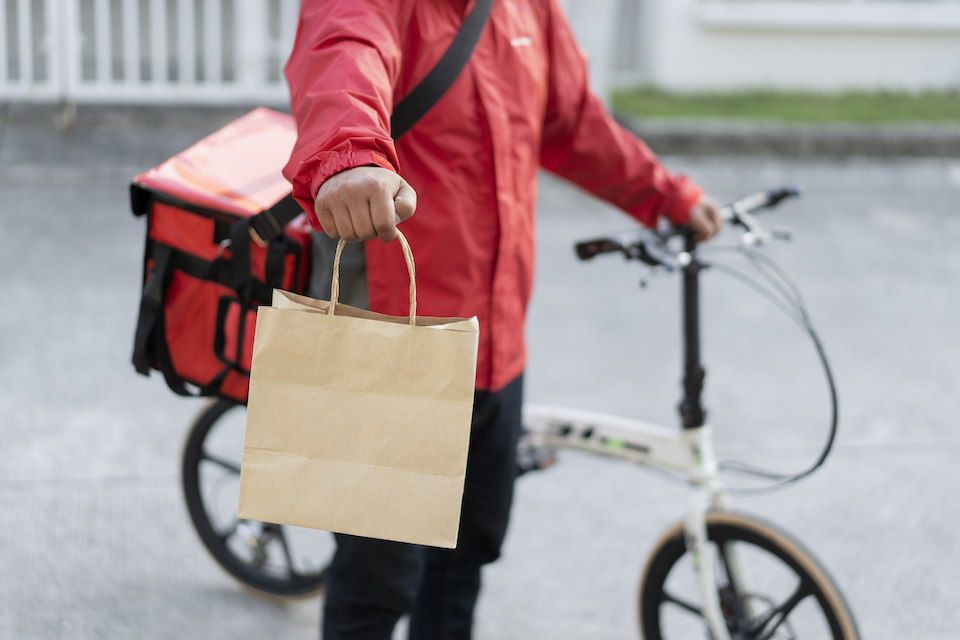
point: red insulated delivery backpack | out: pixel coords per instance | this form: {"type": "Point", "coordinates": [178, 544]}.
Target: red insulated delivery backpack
{"type": "Point", "coordinates": [222, 233]}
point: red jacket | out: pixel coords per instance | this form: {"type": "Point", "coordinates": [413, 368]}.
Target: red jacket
{"type": "Point", "coordinates": [520, 103]}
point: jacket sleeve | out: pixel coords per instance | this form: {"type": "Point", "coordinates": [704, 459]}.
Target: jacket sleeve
{"type": "Point", "coordinates": [582, 143]}
{"type": "Point", "coordinates": [341, 73]}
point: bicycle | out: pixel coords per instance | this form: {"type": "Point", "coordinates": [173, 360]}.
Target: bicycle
{"type": "Point", "coordinates": [750, 579]}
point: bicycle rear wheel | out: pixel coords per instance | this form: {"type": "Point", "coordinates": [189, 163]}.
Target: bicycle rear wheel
{"type": "Point", "coordinates": [770, 587]}
{"type": "Point", "coordinates": [275, 559]}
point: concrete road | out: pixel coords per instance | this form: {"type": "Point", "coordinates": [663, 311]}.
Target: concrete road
{"type": "Point", "coordinates": [96, 542]}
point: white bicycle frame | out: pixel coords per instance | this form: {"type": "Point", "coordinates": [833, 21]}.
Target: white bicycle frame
{"type": "Point", "coordinates": [684, 452]}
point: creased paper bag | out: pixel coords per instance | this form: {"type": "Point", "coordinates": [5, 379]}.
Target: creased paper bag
{"type": "Point", "coordinates": [358, 422]}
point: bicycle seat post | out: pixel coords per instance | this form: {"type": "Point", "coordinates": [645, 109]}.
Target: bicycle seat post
{"type": "Point", "coordinates": [691, 410]}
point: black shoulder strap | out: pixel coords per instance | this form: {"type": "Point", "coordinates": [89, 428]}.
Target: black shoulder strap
{"type": "Point", "coordinates": [426, 94]}
{"type": "Point", "coordinates": [269, 223]}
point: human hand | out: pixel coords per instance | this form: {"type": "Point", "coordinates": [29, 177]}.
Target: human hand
{"type": "Point", "coordinates": [364, 203]}
{"type": "Point", "coordinates": [704, 219]}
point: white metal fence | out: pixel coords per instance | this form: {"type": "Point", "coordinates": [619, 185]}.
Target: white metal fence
{"type": "Point", "coordinates": [232, 51]}
{"type": "Point", "coordinates": [196, 51]}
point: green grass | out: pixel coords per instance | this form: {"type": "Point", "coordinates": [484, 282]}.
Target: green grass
{"type": "Point", "coordinates": [852, 107]}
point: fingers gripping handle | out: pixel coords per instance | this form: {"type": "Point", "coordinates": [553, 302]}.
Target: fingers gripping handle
{"type": "Point", "coordinates": [411, 269]}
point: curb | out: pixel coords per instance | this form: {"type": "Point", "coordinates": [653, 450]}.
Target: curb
{"type": "Point", "coordinates": [737, 138]}
{"type": "Point", "coordinates": [687, 137]}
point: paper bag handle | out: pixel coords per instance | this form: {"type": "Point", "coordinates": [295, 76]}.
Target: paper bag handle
{"type": "Point", "coordinates": [411, 269]}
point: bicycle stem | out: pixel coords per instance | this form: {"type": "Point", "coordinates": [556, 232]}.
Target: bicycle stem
{"type": "Point", "coordinates": [692, 413]}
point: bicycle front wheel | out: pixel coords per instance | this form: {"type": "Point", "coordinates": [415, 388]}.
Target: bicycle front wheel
{"type": "Point", "coordinates": [769, 586]}
{"type": "Point", "coordinates": [274, 559]}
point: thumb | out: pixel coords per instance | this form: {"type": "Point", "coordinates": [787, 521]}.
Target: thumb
{"type": "Point", "coordinates": [405, 201]}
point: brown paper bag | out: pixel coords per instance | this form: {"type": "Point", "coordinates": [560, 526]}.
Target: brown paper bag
{"type": "Point", "coordinates": [358, 422]}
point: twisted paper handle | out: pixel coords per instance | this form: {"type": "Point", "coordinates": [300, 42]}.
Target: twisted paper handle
{"type": "Point", "coordinates": [411, 269]}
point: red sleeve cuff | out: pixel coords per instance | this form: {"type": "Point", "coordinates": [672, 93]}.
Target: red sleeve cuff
{"type": "Point", "coordinates": [327, 164]}
{"type": "Point", "coordinates": [688, 194]}
{"type": "Point", "coordinates": [341, 162]}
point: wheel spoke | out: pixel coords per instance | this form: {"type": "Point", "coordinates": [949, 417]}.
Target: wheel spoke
{"type": "Point", "coordinates": [736, 598]}
{"type": "Point", "coordinates": [232, 529]}
{"type": "Point", "coordinates": [778, 615]}
{"type": "Point", "coordinates": [286, 552]}
{"type": "Point", "coordinates": [692, 608]}
{"type": "Point", "coordinates": [226, 464]}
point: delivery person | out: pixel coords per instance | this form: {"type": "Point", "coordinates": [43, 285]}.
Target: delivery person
{"type": "Point", "coordinates": [468, 169]}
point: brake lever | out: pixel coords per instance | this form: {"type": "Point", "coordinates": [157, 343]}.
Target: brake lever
{"type": "Point", "coordinates": [652, 248]}
{"type": "Point", "coordinates": [754, 234]}
{"type": "Point", "coordinates": [740, 213]}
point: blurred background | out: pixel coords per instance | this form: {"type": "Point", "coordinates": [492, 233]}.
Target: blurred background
{"type": "Point", "coordinates": [223, 51]}
{"type": "Point", "coordinates": [854, 101]}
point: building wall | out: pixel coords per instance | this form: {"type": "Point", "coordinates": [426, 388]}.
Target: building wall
{"type": "Point", "coordinates": [822, 45]}
{"type": "Point", "coordinates": [594, 24]}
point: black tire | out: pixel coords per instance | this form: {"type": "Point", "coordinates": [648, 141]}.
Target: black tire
{"type": "Point", "coordinates": [791, 594]}
{"type": "Point", "coordinates": [263, 556]}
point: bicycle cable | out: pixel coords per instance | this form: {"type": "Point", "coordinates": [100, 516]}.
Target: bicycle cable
{"type": "Point", "coordinates": [784, 294]}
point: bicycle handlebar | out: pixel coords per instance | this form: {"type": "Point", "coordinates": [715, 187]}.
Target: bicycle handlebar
{"type": "Point", "coordinates": [755, 202]}
{"type": "Point", "coordinates": [650, 246]}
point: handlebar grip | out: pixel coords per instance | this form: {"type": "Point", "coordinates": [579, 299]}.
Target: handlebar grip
{"type": "Point", "coordinates": [776, 196]}
{"type": "Point", "coordinates": [591, 248]}
{"type": "Point", "coordinates": [755, 202]}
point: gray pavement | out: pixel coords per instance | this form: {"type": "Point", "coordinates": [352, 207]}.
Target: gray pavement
{"type": "Point", "coordinates": [96, 542]}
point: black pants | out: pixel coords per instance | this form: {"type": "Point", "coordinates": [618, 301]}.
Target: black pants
{"type": "Point", "coordinates": [371, 583]}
